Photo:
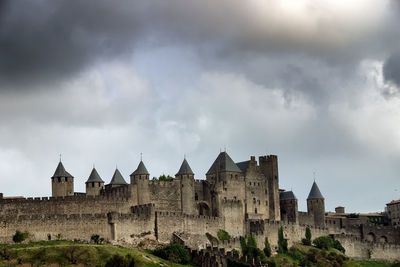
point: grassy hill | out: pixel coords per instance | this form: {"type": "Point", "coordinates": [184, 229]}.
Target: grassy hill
{"type": "Point", "coordinates": [66, 253]}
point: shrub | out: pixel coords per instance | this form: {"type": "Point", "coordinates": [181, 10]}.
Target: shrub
{"type": "Point", "coordinates": [306, 242]}
{"type": "Point", "coordinates": [235, 263]}
{"type": "Point", "coordinates": [324, 242]}
{"type": "Point", "coordinates": [338, 246]}
{"type": "Point", "coordinates": [119, 261]}
{"type": "Point", "coordinates": [296, 254]}
{"type": "Point", "coordinates": [212, 238]}
{"type": "Point", "coordinates": [96, 239]}
{"type": "Point", "coordinates": [20, 236]}
{"type": "Point", "coordinates": [250, 249]}
{"type": "Point", "coordinates": [282, 242]}
{"type": "Point", "coordinates": [173, 252]}
{"type": "Point", "coordinates": [267, 248]}
{"type": "Point", "coordinates": [235, 252]}
{"type": "Point", "coordinates": [223, 235]}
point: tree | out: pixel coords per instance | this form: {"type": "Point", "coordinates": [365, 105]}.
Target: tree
{"type": "Point", "coordinates": [251, 250]}
{"type": "Point", "coordinates": [267, 248]}
{"type": "Point", "coordinates": [223, 235]}
{"type": "Point", "coordinates": [307, 241]}
{"type": "Point", "coordinates": [324, 242]}
{"type": "Point", "coordinates": [165, 178]}
{"type": "Point", "coordinates": [282, 242]}
{"type": "Point", "coordinates": [20, 236]}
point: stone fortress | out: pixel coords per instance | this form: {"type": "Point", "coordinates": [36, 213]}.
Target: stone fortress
{"type": "Point", "coordinates": [242, 198]}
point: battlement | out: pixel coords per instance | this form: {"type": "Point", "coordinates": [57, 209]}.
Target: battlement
{"type": "Point", "coordinates": [182, 215]}
{"type": "Point", "coordinates": [79, 197]}
{"type": "Point", "coordinates": [163, 183]}
{"type": "Point", "coordinates": [143, 209]}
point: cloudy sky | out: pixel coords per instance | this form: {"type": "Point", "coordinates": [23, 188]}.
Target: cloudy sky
{"type": "Point", "coordinates": [316, 82]}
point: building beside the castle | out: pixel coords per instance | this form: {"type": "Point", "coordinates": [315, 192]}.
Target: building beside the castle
{"type": "Point", "coordinates": [242, 198]}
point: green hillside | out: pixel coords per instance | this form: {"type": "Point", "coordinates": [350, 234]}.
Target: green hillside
{"type": "Point", "coordinates": [66, 253]}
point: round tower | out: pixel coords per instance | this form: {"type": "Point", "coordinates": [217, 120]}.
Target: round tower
{"type": "Point", "coordinates": [316, 205]}
{"type": "Point", "coordinates": [186, 177]}
{"type": "Point", "coordinates": [62, 183]}
{"type": "Point", "coordinates": [94, 184]}
{"type": "Point", "coordinates": [140, 184]}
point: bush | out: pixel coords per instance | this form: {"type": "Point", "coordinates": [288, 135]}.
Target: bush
{"type": "Point", "coordinates": [306, 242]}
{"type": "Point", "coordinates": [267, 248]}
{"type": "Point", "coordinates": [235, 263]}
{"type": "Point", "coordinates": [173, 252]}
{"type": "Point", "coordinates": [324, 242]}
{"type": "Point", "coordinates": [296, 254]}
{"type": "Point", "coordinates": [338, 246]}
{"type": "Point", "coordinates": [96, 239]}
{"type": "Point", "coordinates": [119, 261]}
{"type": "Point", "coordinates": [250, 249]}
{"type": "Point", "coordinates": [212, 238]}
{"type": "Point", "coordinates": [20, 236]}
{"type": "Point", "coordinates": [282, 242]}
{"type": "Point", "coordinates": [223, 235]}
{"type": "Point", "coordinates": [235, 252]}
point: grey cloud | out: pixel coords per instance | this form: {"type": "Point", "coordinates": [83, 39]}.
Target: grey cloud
{"type": "Point", "coordinates": [391, 69]}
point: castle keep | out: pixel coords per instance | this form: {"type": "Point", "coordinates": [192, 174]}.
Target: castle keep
{"type": "Point", "coordinates": [242, 198]}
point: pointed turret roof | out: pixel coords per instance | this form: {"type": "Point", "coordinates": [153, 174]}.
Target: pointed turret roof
{"type": "Point", "coordinates": [141, 169]}
{"type": "Point", "coordinates": [314, 192]}
{"type": "Point", "coordinates": [225, 164]}
{"type": "Point", "coordinates": [287, 195]}
{"type": "Point", "coordinates": [185, 168]}
{"type": "Point", "coordinates": [94, 177]}
{"type": "Point", "coordinates": [117, 178]}
{"type": "Point", "coordinates": [61, 172]}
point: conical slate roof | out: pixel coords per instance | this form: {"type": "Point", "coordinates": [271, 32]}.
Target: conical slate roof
{"type": "Point", "coordinates": [141, 169]}
{"type": "Point", "coordinates": [315, 193]}
{"type": "Point", "coordinates": [117, 178]}
{"type": "Point", "coordinates": [287, 195]}
{"type": "Point", "coordinates": [61, 172]}
{"type": "Point", "coordinates": [185, 168]}
{"type": "Point", "coordinates": [94, 177]}
{"type": "Point", "coordinates": [225, 164]}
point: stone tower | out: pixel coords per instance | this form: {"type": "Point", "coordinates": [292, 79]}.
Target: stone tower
{"type": "Point", "coordinates": [62, 183]}
{"type": "Point", "coordinates": [117, 180]}
{"type": "Point", "coordinates": [289, 207]}
{"type": "Point", "coordinates": [227, 182]}
{"type": "Point", "coordinates": [269, 167]}
{"type": "Point", "coordinates": [94, 184]}
{"type": "Point", "coordinates": [140, 184]}
{"type": "Point", "coordinates": [186, 177]}
{"type": "Point", "coordinates": [316, 205]}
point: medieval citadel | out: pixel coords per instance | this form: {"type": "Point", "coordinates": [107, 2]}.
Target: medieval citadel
{"type": "Point", "coordinates": [242, 198]}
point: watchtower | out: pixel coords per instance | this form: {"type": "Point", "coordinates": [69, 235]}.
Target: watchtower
{"type": "Point", "coordinates": [186, 177]}
{"type": "Point", "coordinates": [316, 205]}
{"type": "Point", "coordinates": [269, 167]}
{"type": "Point", "coordinates": [94, 184]}
{"type": "Point", "coordinates": [62, 183]}
{"type": "Point", "coordinates": [140, 184]}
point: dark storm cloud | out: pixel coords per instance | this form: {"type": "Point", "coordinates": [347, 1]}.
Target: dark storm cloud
{"type": "Point", "coordinates": [57, 38]}
{"type": "Point", "coordinates": [391, 69]}
{"type": "Point", "coordinates": [54, 39]}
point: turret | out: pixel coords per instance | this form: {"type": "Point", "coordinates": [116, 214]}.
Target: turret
{"type": "Point", "coordinates": [62, 183]}
{"type": "Point", "coordinates": [117, 180]}
{"type": "Point", "coordinates": [316, 205]}
{"type": "Point", "coordinates": [94, 184]}
{"type": "Point", "coordinates": [289, 207]}
{"type": "Point", "coordinates": [140, 184]}
{"type": "Point", "coordinates": [227, 181]}
{"type": "Point", "coordinates": [186, 177]}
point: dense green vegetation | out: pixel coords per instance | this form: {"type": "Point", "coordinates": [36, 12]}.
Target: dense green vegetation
{"type": "Point", "coordinates": [67, 253]}
{"type": "Point", "coordinates": [165, 178]}
{"type": "Point", "coordinates": [174, 253]}
{"type": "Point", "coordinates": [223, 235]}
